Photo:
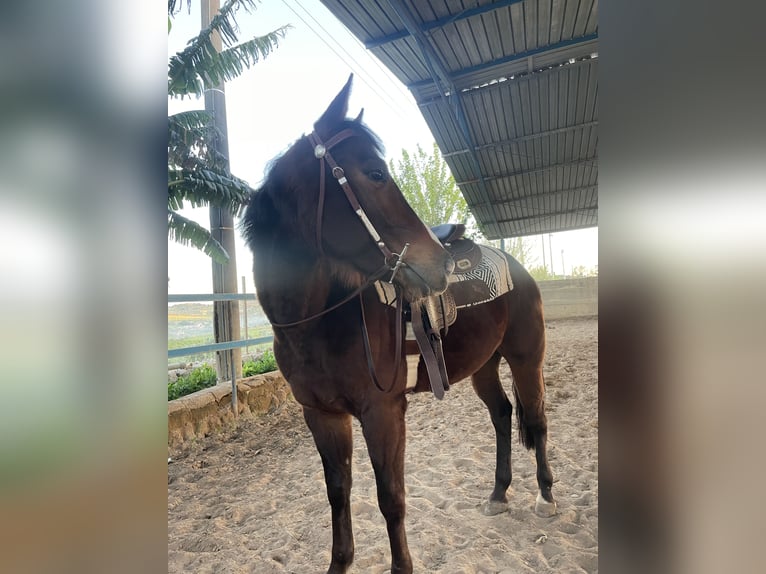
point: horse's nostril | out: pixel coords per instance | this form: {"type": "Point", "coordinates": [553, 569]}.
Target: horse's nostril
{"type": "Point", "coordinates": [449, 265]}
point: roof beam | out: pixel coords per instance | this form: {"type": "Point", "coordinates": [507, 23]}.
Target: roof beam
{"type": "Point", "coordinates": [520, 77]}
{"type": "Point", "coordinates": [525, 138]}
{"type": "Point", "coordinates": [544, 195]}
{"type": "Point", "coordinates": [440, 22]}
{"type": "Point", "coordinates": [512, 58]}
{"type": "Point", "coordinates": [531, 229]}
{"type": "Point", "coordinates": [590, 161]}
{"type": "Point", "coordinates": [588, 209]}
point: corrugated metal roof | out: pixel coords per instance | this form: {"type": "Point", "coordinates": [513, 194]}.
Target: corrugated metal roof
{"type": "Point", "coordinates": [510, 92]}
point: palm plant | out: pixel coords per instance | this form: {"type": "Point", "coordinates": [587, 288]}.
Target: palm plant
{"type": "Point", "coordinates": [197, 172]}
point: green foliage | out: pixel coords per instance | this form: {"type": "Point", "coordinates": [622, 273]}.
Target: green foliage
{"type": "Point", "coordinates": [197, 173]}
{"type": "Point", "coordinates": [200, 378]}
{"type": "Point", "coordinates": [428, 186]}
{"type": "Point", "coordinates": [205, 376]}
{"type": "Point", "coordinates": [582, 271]}
{"type": "Point", "coordinates": [265, 364]}
{"type": "Point", "coordinates": [541, 273]}
{"type": "Point", "coordinates": [519, 249]}
{"type": "Point", "coordinates": [200, 65]}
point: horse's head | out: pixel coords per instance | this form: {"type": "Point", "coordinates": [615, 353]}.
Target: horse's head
{"type": "Point", "coordinates": [334, 190]}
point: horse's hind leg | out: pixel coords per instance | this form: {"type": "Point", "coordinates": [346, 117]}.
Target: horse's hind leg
{"type": "Point", "coordinates": [486, 383]}
{"type": "Point", "coordinates": [529, 391]}
{"type": "Point", "coordinates": [333, 438]}
{"type": "Point", "coordinates": [384, 431]}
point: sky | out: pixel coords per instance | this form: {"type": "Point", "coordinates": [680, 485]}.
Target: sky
{"type": "Point", "coordinates": [276, 101]}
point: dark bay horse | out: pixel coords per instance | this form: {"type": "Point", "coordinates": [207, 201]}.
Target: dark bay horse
{"type": "Point", "coordinates": [329, 220]}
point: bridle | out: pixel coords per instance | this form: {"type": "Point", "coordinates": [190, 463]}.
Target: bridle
{"type": "Point", "coordinates": [322, 153]}
{"type": "Point", "coordinates": [392, 261]}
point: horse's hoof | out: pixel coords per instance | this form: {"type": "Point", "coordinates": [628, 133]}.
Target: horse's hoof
{"type": "Point", "coordinates": [493, 507]}
{"type": "Point", "coordinates": [544, 508]}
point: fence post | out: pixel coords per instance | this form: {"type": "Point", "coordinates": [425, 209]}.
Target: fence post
{"type": "Point", "coordinates": [233, 383]}
{"type": "Point", "coordinates": [244, 311]}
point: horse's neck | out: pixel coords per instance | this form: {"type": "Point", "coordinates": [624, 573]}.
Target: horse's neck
{"type": "Point", "coordinates": [291, 283]}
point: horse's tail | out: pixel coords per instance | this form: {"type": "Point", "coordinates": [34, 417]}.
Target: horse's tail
{"type": "Point", "coordinates": [526, 436]}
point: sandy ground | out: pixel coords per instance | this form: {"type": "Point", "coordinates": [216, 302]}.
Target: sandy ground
{"type": "Point", "coordinates": [252, 499]}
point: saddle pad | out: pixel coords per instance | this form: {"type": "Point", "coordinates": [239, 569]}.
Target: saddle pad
{"type": "Point", "coordinates": [490, 279]}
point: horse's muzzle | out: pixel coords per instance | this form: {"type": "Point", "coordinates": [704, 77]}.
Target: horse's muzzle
{"type": "Point", "coordinates": [449, 265]}
{"type": "Point", "coordinates": [418, 281]}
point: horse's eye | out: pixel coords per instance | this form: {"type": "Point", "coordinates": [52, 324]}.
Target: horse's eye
{"type": "Point", "coordinates": [376, 175]}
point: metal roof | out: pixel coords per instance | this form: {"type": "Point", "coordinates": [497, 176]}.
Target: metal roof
{"type": "Point", "coordinates": [509, 90]}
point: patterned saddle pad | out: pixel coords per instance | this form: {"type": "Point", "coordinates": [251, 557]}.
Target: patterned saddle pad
{"type": "Point", "coordinates": [490, 279]}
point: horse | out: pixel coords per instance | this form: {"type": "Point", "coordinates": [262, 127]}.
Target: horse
{"type": "Point", "coordinates": [326, 223]}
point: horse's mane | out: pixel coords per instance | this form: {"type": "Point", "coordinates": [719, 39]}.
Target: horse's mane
{"type": "Point", "coordinates": [293, 172]}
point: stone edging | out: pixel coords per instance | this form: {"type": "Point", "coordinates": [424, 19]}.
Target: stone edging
{"type": "Point", "coordinates": [198, 414]}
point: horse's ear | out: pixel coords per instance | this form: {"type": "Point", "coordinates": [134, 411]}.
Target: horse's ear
{"type": "Point", "coordinates": [358, 118]}
{"type": "Point", "coordinates": [336, 112]}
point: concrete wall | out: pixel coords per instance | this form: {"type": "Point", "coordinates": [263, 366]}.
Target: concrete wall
{"type": "Point", "coordinates": [568, 298]}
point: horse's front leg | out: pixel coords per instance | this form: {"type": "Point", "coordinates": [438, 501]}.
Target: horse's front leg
{"type": "Point", "coordinates": [384, 431]}
{"type": "Point", "coordinates": [333, 438]}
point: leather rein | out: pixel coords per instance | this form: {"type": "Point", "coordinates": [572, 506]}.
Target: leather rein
{"type": "Point", "coordinates": [392, 262]}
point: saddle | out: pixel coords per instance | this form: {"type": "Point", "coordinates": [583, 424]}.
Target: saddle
{"type": "Point", "coordinates": [465, 252]}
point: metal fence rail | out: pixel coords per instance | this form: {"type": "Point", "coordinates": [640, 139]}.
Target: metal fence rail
{"type": "Point", "coordinates": [224, 346]}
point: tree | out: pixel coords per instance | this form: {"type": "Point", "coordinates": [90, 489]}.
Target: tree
{"type": "Point", "coordinates": [582, 271]}
{"type": "Point", "coordinates": [519, 249]}
{"type": "Point", "coordinates": [428, 186]}
{"type": "Point", "coordinates": [197, 173]}
{"type": "Point", "coordinates": [541, 273]}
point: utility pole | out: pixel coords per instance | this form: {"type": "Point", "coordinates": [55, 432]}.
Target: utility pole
{"type": "Point", "coordinates": [550, 252]}
{"type": "Point", "coordinates": [225, 313]}
{"type": "Point", "coordinates": [563, 268]}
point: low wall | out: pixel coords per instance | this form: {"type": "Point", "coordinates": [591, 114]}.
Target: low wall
{"type": "Point", "coordinates": [567, 298]}
{"type": "Point", "coordinates": [200, 413]}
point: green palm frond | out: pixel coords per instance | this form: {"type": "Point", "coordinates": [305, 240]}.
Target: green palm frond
{"type": "Point", "coordinates": [188, 232]}
{"type": "Point", "coordinates": [200, 65]}
{"type": "Point", "coordinates": [191, 122]}
{"type": "Point", "coordinates": [173, 6]}
{"type": "Point", "coordinates": [191, 141]}
{"type": "Point", "coordinates": [205, 187]}
{"type": "Point", "coordinates": [198, 174]}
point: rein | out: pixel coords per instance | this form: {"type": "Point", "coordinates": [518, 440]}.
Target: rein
{"type": "Point", "coordinates": [358, 291]}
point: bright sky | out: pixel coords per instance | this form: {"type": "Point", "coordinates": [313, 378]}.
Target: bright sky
{"type": "Point", "coordinates": [277, 100]}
